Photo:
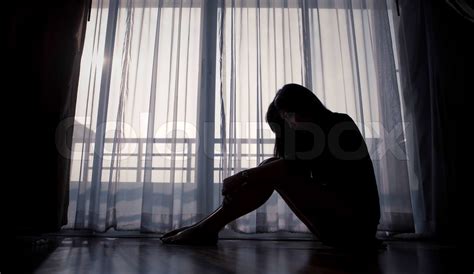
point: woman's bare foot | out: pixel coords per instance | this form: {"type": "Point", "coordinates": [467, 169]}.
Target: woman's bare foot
{"type": "Point", "coordinates": [173, 232]}
{"type": "Point", "coordinates": [193, 235]}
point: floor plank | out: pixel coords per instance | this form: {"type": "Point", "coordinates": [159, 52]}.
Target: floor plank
{"type": "Point", "coordinates": [148, 255]}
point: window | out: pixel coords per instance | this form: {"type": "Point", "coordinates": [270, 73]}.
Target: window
{"type": "Point", "coordinates": [172, 97]}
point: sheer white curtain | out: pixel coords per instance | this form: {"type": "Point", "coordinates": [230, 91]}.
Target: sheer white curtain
{"type": "Point", "coordinates": [173, 94]}
{"type": "Point", "coordinates": [135, 137]}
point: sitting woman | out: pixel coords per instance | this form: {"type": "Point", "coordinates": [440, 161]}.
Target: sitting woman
{"type": "Point", "coordinates": [321, 168]}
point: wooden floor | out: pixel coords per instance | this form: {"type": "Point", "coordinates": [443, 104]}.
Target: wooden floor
{"type": "Point", "coordinates": [148, 255]}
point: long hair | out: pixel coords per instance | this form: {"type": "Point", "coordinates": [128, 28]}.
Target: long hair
{"type": "Point", "coordinates": [277, 125]}
{"type": "Point", "coordinates": [298, 99]}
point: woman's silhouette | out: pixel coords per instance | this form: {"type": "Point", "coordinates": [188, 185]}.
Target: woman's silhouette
{"type": "Point", "coordinates": [321, 168]}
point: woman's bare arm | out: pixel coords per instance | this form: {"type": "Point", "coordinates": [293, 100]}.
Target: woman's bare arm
{"type": "Point", "coordinates": [267, 171]}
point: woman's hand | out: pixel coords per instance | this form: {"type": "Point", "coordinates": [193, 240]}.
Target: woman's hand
{"type": "Point", "coordinates": [233, 183]}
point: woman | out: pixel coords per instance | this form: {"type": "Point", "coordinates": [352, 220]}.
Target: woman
{"type": "Point", "coordinates": [321, 168]}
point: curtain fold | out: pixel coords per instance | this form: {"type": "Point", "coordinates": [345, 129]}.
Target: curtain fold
{"type": "Point", "coordinates": [44, 45]}
{"type": "Point", "coordinates": [173, 95]}
{"type": "Point", "coordinates": [434, 50]}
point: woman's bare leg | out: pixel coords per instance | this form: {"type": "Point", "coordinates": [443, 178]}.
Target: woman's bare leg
{"type": "Point", "coordinates": [247, 199]}
{"type": "Point", "coordinates": [306, 199]}
{"type": "Point", "coordinates": [303, 196]}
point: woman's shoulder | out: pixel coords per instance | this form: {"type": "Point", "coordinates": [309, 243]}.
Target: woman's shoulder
{"type": "Point", "coordinates": [341, 118]}
{"type": "Point", "coordinates": [343, 124]}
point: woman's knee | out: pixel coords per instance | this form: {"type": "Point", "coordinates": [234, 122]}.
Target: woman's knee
{"type": "Point", "coordinates": [269, 160]}
{"type": "Point", "coordinates": [248, 197]}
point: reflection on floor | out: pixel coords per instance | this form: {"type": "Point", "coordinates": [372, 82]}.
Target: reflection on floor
{"type": "Point", "coordinates": [148, 255]}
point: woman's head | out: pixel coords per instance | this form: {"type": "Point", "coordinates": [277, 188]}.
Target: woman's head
{"type": "Point", "coordinates": [296, 104]}
{"type": "Point", "coordinates": [293, 104]}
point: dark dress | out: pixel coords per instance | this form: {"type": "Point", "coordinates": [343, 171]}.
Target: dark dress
{"type": "Point", "coordinates": [339, 165]}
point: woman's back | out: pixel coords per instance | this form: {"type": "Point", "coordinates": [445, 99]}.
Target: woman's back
{"type": "Point", "coordinates": [340, 163]}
